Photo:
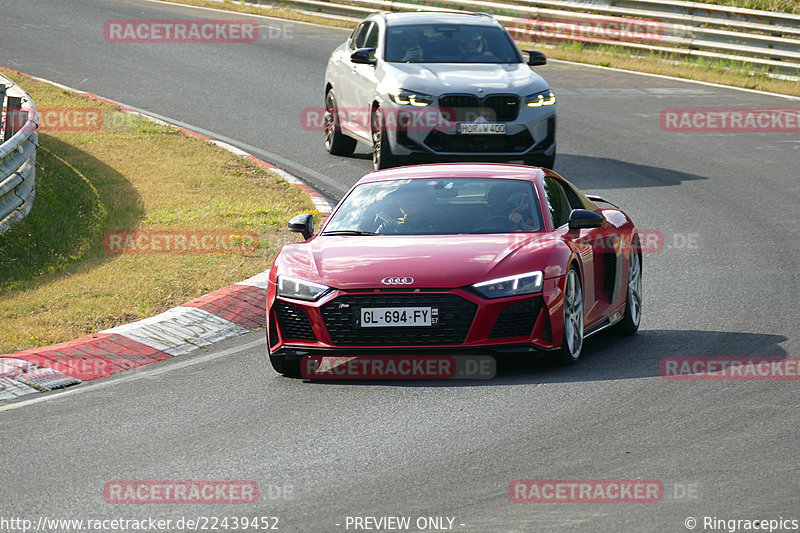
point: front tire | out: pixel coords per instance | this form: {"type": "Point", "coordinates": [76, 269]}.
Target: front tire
{"type": "Point", "coordinates": [572, 338]}
{"type": "Point", "coordinates": [382, 156]}
{"type": "Point", "coordinates": [336, 142]}
{"type": "Point", "coordinates": [629, 324]}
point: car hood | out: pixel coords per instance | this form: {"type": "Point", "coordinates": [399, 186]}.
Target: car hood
{"type": "Point", "coordinates": [441, 261]}
{"type": "Point", "coordinates": [441, 78]}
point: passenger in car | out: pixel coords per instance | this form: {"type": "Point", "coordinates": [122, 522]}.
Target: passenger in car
{"type": "Point", "coordinates": [510, 202]}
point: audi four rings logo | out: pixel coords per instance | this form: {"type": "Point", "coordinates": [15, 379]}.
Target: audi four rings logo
{"type": "Point", "coordinates": [397, 281]}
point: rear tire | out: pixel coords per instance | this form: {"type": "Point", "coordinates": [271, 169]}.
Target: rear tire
{"type": "Point", "coordinates": [336, 142]}
{"type": "Point", "coordinates": [629, 324]}
{"type": "Point", "coordinates": [289, 368]}
{"type": "Point", "coordinates": [572, 337]}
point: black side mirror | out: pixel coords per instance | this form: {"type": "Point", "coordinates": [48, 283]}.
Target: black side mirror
{"type": "Point", "coordinates": [303, 224]}
{"type": "Point", "coordinates": [364, 56]}
{"type": "Point", "coordinates": [536, 58]}
{"type": "Point", "coordinates": [583, 218]}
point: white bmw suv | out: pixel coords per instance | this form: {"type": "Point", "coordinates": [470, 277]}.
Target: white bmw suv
{"type": "Point", "coordinates": [436, 86]}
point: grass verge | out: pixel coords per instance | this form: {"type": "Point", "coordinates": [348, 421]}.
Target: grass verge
{"type": "Point", "coordinates": [58, 282]}
{"type": "Point", "coordinates": [701, 69]}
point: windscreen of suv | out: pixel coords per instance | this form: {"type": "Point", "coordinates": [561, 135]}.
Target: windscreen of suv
{"type": "Point", "coordinates": [449, 43]}
{"type": "Point", "coordinates": [439, 206]}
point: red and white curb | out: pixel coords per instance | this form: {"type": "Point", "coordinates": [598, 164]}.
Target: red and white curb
{"type": "Point", "coordinates": [221, 314]}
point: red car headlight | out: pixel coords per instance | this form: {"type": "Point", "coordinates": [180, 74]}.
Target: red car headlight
{"type": "Point", "coordinates": [290, 287]}
{"type": "Point", "coordinates": [527, 283]}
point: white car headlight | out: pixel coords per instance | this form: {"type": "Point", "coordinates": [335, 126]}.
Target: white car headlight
{"type": "Point", "coordinates": [300, 289]}
{"type": "Point", "coordinates": [404, 97]}
{"type": "Point", "coordinates": [541, 99]}
{"type": "Point", "coordinates": [527, 283]}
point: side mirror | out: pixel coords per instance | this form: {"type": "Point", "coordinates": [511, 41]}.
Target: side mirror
{"type": "Point", "coordinates": [303, 224]}
{"type": "Point", "coordinates": [536, 58]}
{"type": "Point", "coordinates": [583, 218]}
{"type": "Point", "coordinates": [364, 56]}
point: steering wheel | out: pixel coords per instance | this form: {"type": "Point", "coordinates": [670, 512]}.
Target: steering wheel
{"type": "Point", "coordinates": [386, 224]}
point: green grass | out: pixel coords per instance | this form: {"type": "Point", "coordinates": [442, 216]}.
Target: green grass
{"type": "Point", "coordinates": [57, 281]}
{"type": "Point", "coordinates": [786, 6]}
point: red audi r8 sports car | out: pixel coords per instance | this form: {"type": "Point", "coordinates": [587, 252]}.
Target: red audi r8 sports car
{"type": "Point", "coordinates": [455, 259]}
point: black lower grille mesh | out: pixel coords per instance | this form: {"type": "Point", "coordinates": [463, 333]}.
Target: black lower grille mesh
{"type": "Point", "coordinates": [444, 142]}
{"type": "Point", "coordinates": [517, 320]}
{"type": "Point", "coordinates": [342, 317]}
{"type": "Point", "coordinates": [547, 331]}
{"type": "Point", "coordinates": [609, 274]}
{"type": "Point", "coordinates": [293, 322]}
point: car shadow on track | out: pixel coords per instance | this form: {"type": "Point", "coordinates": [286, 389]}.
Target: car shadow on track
{"type": "Point", "coordinates": [588, 172]}
{"type": "Point", "coordinates": [609, 357]}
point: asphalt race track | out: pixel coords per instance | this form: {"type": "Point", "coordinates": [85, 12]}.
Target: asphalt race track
{"type": "Point", "coordinates": [725, 284]}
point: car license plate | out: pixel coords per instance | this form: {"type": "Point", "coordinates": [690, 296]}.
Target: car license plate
{"type": "Point", "coordinates": [372, 317]}
{"type": "Point", "coordinates": [481, 128]}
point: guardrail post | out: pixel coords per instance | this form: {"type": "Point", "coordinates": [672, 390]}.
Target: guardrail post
{"type": "Point", "coordinates": [14, 119]}
{"type": "Point", "coordinates": [2, 103]}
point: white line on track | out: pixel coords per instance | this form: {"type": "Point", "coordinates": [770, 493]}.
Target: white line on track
{"type": "Point", "coordinates": [135, 374]}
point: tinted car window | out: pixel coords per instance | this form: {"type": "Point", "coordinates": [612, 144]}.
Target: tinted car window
{"type": "Point", "coordinates": [360, 35]}
{"type": "Point", "coordinates": [439, 207]}
{"type": "Point", "coordinates": [557, 202]}
{"type": "Point", "coordinates": [575, 200]}
{"type": "Point", "coordinates": [371, 40]}
{"type": "Point", "coordinates": [449, 43]}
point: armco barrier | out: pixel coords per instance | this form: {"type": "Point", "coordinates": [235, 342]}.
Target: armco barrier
{"type": "Point", "coordinates": [17, 153]}
{"type": "Point", "coordinates": [769, 40]}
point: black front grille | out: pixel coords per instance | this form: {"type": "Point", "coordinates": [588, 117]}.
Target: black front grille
{"type": "Point", "coordinates": [444, 142]}
{"type": "Point", "coordinates": [342, 317]}
{"type": "Point", "coordinates": [547, 330]}
{"type": "Point", "coordinates": [293, 322]}
{"type": "Point", "coordinates": [468, 108]}
{"type": "Point", "coordinates": [517, 320]}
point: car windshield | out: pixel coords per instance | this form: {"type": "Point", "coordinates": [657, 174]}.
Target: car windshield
{"type": "Point", "coordinates": [449, 43]}
{"type": "Point", "coordinates": [438, 207]}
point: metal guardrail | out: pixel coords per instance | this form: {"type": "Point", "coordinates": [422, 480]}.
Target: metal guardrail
{"type": "Point", "coordinates": [764, 39]}
{"type": "Point", "coordinates": [17, 153]}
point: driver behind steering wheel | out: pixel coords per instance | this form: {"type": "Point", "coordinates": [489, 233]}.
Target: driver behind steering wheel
{"type": "Point", "coordinates": [406, 213]}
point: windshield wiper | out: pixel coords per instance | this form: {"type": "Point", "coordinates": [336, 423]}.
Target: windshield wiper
{"type": "Point", "coordinates": [348, 232]}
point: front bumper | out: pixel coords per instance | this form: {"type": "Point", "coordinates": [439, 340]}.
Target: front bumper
{"type": "Point", "coordinates": [427, 133]}
{"type": "Point", "coordinates": [467, 324]}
